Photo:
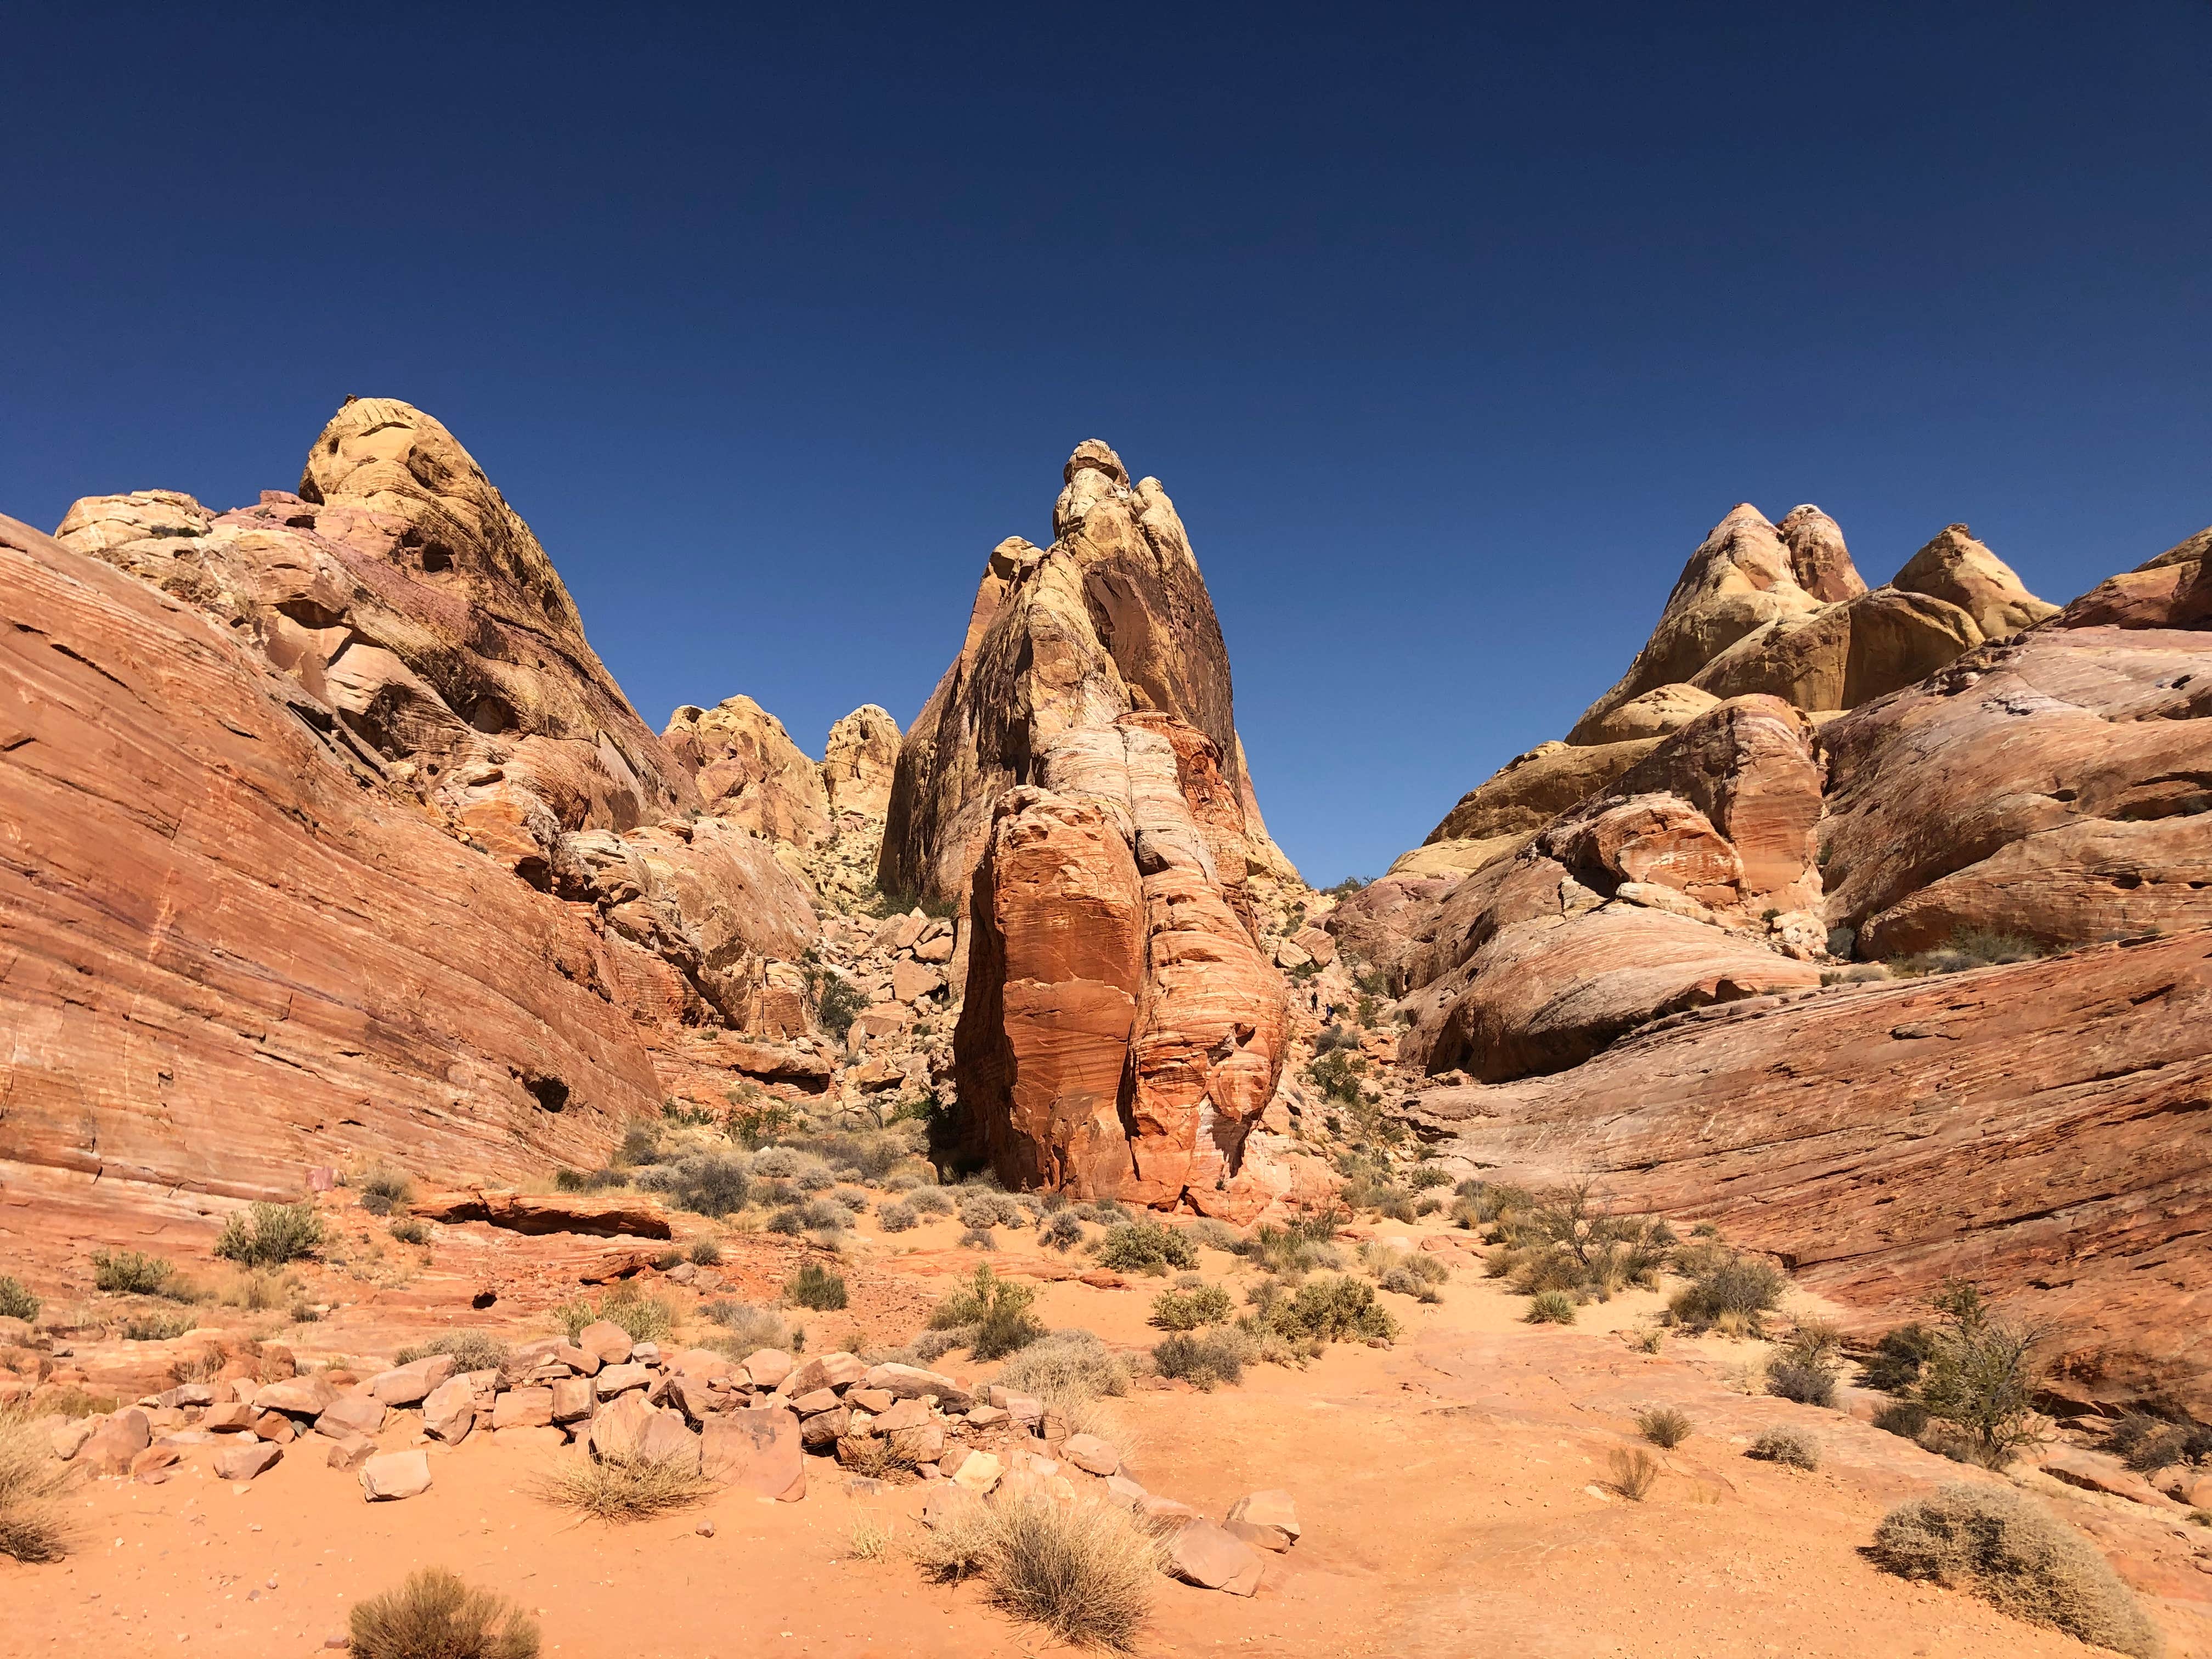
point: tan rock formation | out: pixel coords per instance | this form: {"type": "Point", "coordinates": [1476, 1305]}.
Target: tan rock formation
{"type": "Point", "coordinates": [750, 772]}
{"type": "Point", "coordinates": [2038, 1128]}
{"type": "Point", "coordinates": [858, 764]}
{"type": "Point", "coordinates": [1122, 1031]}
{"type": "Point", "coordinates": [230, 960]}
{"type": "Point", "coordinates": [1112, 618]}
{"type": "Point", "coordinates": [1957, 568]}
{"type": "Point", "coordinates": [1818, 557]}
{"type": "Point", "coordinates": [1530, 790]}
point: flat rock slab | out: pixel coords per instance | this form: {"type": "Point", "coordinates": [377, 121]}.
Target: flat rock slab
{"type": "Point", "coordinates": [393, 1475]}
{"type": "Point", "coordinates": [598, 1214]}
{"type": "Point", "coordinates": [1209, 1556]}
{"type": "Point", "coordinates": [759, 1450]}
{"type": "Point", "coordinates": [243, 1462]}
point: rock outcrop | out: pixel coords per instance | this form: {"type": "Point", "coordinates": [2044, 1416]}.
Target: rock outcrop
{"type": "Point", "coordinates": [858, 764]}
{"type": "Point", "coordinates": [750, 772]}
{"type": "Point", "coordinates": [2041, 1129]}
{"type": "Point", "coordinates": [1112, 618]}
{"type": "Point", "coordinates": [1122, 1031]}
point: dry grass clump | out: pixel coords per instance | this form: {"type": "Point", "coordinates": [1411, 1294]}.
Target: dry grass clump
{"type": "Point", "coordinates": [1298, 1248]}
{"type": "Point", "coordinates": [1085, 1572]}
{"type": "Point", "coordinates": [1634, 1472]}
{"type": "Point", "coordinates": [1792, 1449]}
{"type": "Point", "coordinates": [434, 1615]}
{"type": "Point", "coordinates": [750, 1329]}
{"type": "Point", "coordinates": [1550, 1308]}
{"type": "Point", "coordinates": [30, 1485]}
{"type": "Point", "coordinates": [1406, 1273]}
{"type": "Point", "coordinates": [472, 1351]}
{"type": "Point", "coordinates": [1727, 1292]}
{"type": "Point", "coordinates": [1066, 1366]}
{"type": "Point", "coordinates": [870, 1539]}
{"type": "Point", "coordinates": [1664, 1427]}
{"type": "Point", "coordinates": [646, 1318]}
{"type": "Point", "coordinates": [2020, 1558]}
{"type": "Point", "coordinates": [384, 1189]}
{"type": "Point", "coordinates": [620, 1486]}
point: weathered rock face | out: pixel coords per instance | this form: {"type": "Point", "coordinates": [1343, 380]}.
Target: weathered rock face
{"type": "Point", "coordinates": [229, 959]}
{"type": "Point", "coordinates": [2040, 1129]}
{"type": "Point", "coordinates": [1530, 790]}
{"type": "Point", "coordinates": [1122, 1031]}
{"type": "Point", "coordinates": [1959, 570]}
{"type": "Point", "coordinates": [2052, 786]}
{"type": "Point", "coordinates": [858, 764]}
{"type": "Point", "coordinates": [1112, 618]}
{"type": "Point", "coordinates": [750, 772]}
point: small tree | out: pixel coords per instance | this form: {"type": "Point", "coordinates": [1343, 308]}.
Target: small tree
{"type": "Point", "coordinates": [1981, 1374]}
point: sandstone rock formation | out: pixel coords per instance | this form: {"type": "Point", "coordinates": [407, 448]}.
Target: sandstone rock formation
{"type": "Point", "coordinates": [2038, 1129]}
{"type": "Point", "coordinates": [858, 764]}
{"type": "Point", "coordinates": [750, 772]}
{"type": "Point", "coordinates": [1112, 618]}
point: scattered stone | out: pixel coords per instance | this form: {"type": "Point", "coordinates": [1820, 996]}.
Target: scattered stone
{"type": "Point", "coordinates": [274, 1426]}
{"type": "Point", "coordinates": [988, 1417]}
{"type": "Point", "coordinates": [350, 1451]}
{"type": "Point", "coordinates": [449, 1411]}
{"type": "Point", "coordinates": [394, 1475]}
{"type": "Point", "coordinates": [352, 1414]}
{"type": "Point", "coordinates": [1271, 1514]}
{"type": "Point", "coordinates": [572, 1398]}
{"type": "Point", "coordinates": [978, 1473]}
{"type": "Point", "coordinates": [760, 1449]}
{"type": "Point", "coordinates": [770, 1368]}
{"type": "Point", "coordinates": [607, 1340]}
{"type": "Point", "coordinates": [705, 1530]}
{"type": "Point", "coordinates": [1208, 1556]}
{"type": "Point", "coordinates": [619, 1378]}
{"type": "Point", "coordinates": [297, 1396]}
{"type": "Point", "coordinates": [244, 1460]}
{"type": "Point", "coordinates": [1090, 1454]}
{"type": "Point", "coordinates": [120, 1437]}
{"type": "Point", "coordinates": [523, 1408]}
{"type": "Point", "coordinates": [153, 1465]}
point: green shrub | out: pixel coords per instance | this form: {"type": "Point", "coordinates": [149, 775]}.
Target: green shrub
{"type": "Point", "coordinates": [1734, 1292]}
{"type": "Point", "coordinates": [645, 1318]}
{"type": "Point", "coordinates": [706, 1184]}
{"type": "Point", "coordinates": [270, 1235]}
{"type": "Point", "coordinates": [897, 1217]}
{"type": "Point", "coordinates": [1063, 1232]}
{"type": "Point", "coordinates": [1981, 1376]}
{"type": "Point", "coordinates": [1567, 1242]}
{"type": "Point", "coordinates": [472, 1351]}
{"type": "Point", "coordinates": [1793, 1447]}
{"type": "Point", "coordinates": [997, 1311]}
{"type": "Point", "coordinates": [1298, 1248]}
{"type": "Point", "coordinates": [1336, 1072]}
{"type": "Point", "coordinates": [384, 1190]}
{"type": "Point", "coordinates": [1806, 1368]}
{"type": "Point", "coordinates": [1209, 1234]}
{"type": "Point", "coordinates": [1894, 1366]}
{"type": "Point", "coordinates": [2147, 1444]}
{"type": "Point", "coordinates": [1550, 1308]}
{"type": "Point", "coordinates": [1327, 1307]}
{"type": "Point", "coordinates": [1145, 1247]}
{"type": "Point", "coordinates": [1205, 1361]}
{"type": "Point", "coordinates": [1186, 1310]}
{"type": "Point", "coordinates": [588, 1180]}
{"type": "Point", "coordinates": [17, 1301]}
{"type": "Point", "coordinates": [412, 1230]}
{"type": "Point", "coordinates": [837, 1002]}
{"type": "Point", "coordinates": [1905, 1417]}
{"type": "Point", "coordinates": [129, 1271]}
{"type": "Point", "coordinates": [2019, 1558]}
{"type": "Point", "coordinates": [814, 1287]}
{"type": "Point", "coordinates": [980, 1211]}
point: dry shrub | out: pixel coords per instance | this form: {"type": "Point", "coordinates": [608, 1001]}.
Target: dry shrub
{"type": "Point", "coordinates": [1726, 1291]}
{"type": "Point", "coordinates": [625, 1487]}
{"type": "Point", "coordinates": [1550, 1308]}
{"type": "Point", "coordinates": [750, 1329]}
{"type": "Point", "coordinates": [1065, 1367]}
{"type": "Point", "coordinates": [1086, 1571]}
{"type": "Point", "coordinates": [1791, 1448]}
{"type": "Point", "coordinates": [870, 1540]}
{"type": "Point", "coordinates": [1634, 1472]}
{"type": "Point", "coordinates": [1981, 1376]}
{"type": "Point", "coordinates": [995, 1312]}
{"type": "Point", "coordinates": [1807, 1367]}
{"type": "Point", "coordinates": [1205, 1361]}
{"type": "Point", "coordinates": [31, 1484]}
{"type": "Point", "coordinates": [646, 1318]}
{"type": "Point", "coordinates": [472, 1351]}
{"type": "Point", "coordinates": [2019, 1558]}
{"type": "Point", "coordinates": [1664, 1427]}
{"type": "Point", "coordinates": [434, 1615]}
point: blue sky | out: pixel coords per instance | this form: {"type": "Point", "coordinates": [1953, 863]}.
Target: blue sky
{"type": "Point", "coordinates": [1451, 330]}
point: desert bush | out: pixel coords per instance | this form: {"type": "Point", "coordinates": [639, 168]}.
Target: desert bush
{"type": "Point", "coordinates": [1567, 1241]}
{"type": "Point", "coordinates": [1806, 1368]}
{"type": "Point", "coordinates": [973, 1240]}
{"type": "Point", "coordinates": [1634, 1472]}
{"type": "Point", "coordinates": [1327, 1307]}
{"type": "Point", "coordinates": [1071, 1364]}
{"type": "Point", "coordinates": [1969, 948]}
{"type": "Point", "coordinates": [625, 1486]}
{"type": "Point", "coordinates": [270, 1235]}
{"type": "Point", "coordinates": [1793, 1447]}
{"type": "Point", "coordinates": [1145, 1247]}
{"type": "Point", "coordinates": [1895, 1364]}
{"type": "Point", "coordinates": [749, 1329]}
{"type": "Point", "coordinates": [789, 1222]}
{"type": "Point", "coordinates": [1291, 1250]}
{"type": "Point", "coordinates": [1186, 1310]}
{"type": "Point", "coordinates": [981, 1209]}
{"type": "Point", "coordinates": [1085, 1572]}
{"type": "Point", "coordinates": [705, 1183]}
{"type": "Point", "coordinates": [1981, 1376]}
{"type": "Point", "coordinates": [17, 1301]}
{"type": "Point", "coordinates": [2147, 1444]}
{"type": "Point", "coordinates": [1063, 1232]}
{"type": "Point", "coordinates": [588, 1180]}
{"type": "Point", "coordinates": [1102, 1212]}
{"type": "Point", "coordinates": [814, 1287]}
{"type": "Point", "coordinates": [870, 1540]}
{"type": "Point", "coordinates": [2018, 1557]}
{"type": "Point", "coordinates": [814, 1177]}
{"type": "Point", "coordinates": [1550, 1308]}
{"type": "Point", "coordinates": [472, 1351]}
{"type": "Point", "coordinates": [130, 1273]}
{"type": "Point", "coordinates": [931, 1200]}
{"type": "Point", "coordinates": [384, 1189]}
{"type": "Point", "coordinates": [853, 1198]}
{"type": "Point", "coordinates": [31, 1527]}
{"type": "Point", "coordinates": [997, 1310]}
{"type": "Point", "coordinates": [1209, 1234]}
{"type": "Point", "coordinates": [897, 1217]}
{"type": "Point", "coordinates": [647, 1318]}
{"type": "Point", "coordinates": [412, 1230]}
{"type": "Point", "coordinates": [704, 1253]}
{"type": "Point", "coordinates": [819, 1215]}
{"type": "Point", "coordinates": [434, 1615]}
{"type": "Point", "coordinates": [1206, 1360]}
{"type": "Point", "coordinates": [1732, 1291]}
{"type": "Point", "coordinates": [837, 1001]}
{"type": "Point", "coordinates": [1427, 1177]}
{"type": "Point", "coordinates": [641, 1143]}
{"type": "Point", "coordinates": [1664, 1427]}
{"type": "Point", "coordinates": [157, 1326]}
{"type": "Point", "coordinates": [1406, 1273]}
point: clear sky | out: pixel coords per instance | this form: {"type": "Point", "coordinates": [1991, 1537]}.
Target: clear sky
{"type": "Point", "coordinates": [1451, 330]}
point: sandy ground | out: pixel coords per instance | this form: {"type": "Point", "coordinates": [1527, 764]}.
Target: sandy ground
{"type": "Point", "coordinates": [1452, 1489]}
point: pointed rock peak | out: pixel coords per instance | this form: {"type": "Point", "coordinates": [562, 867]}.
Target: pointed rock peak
{"type": "Point", "coordinates": [1957, 568]}
{"type": "Point", "coordinates": [1817, 553]}
{"type": "Point", "coordinates": [750, 772]}
{"type": "Point", "coordinates": [1095, 455]}
{"type": "Point", "coordinates": [858, 762]}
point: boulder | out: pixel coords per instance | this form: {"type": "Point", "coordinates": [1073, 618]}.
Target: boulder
{"type": "Point", "coordinates": [411, 1383]}
{"type": "Point", "coordinates": [619, 1427]}
{"type": "Point", "coordinates": [572, 1400]}
{"type": "Point", "coordinates": [978, 1473]}
{"type": "Point", "coordinates": [768, 1367]}
{"type": "Point", "coordinates": [600, 1214]}
{"type": "Point", "coordinates": [394, 1475]}
{"type": "Point", "coordinates": [523, 1408]}
{"type": "Point", "coordinates": [349, 1451]}
{"type": "Point", "coordinates": [858, 763]}
{"type": "Point", "coordinates": [912, 1382]}
{"type": "Point", "coordinates": [1090, 1454]}
{"type": "Point", "coordinates": [449, 1411]}
{"type": "Point", "coordinates": [606, 1341]}
{"type": "Point", "coordinates": [351, 1413]}
{"type": "Point", "coordinates": [120, 1437]}
{"type": "Point", "coordinates": [618, 1379]}
{"type": "Point", "coordinates": [297, 1396]}
{"type": "Point", "coordinates": [759, 1450]}
{"type": "Point", "coordinates": [1208, 1556]}
{"type": "Point", "coordinates": [244, 1460]}
{"type": "Point", "coordinates": [749, 771]}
